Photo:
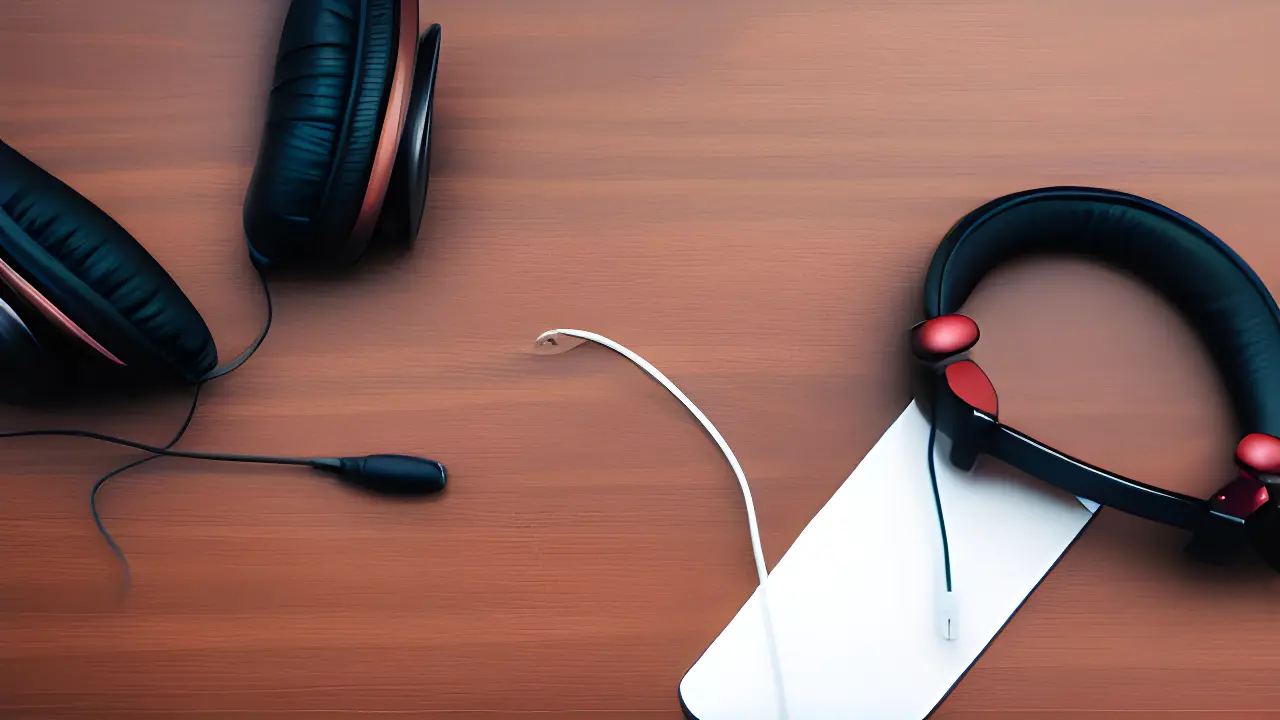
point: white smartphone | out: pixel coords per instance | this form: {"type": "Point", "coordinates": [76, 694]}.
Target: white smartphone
{"type": "Point", "coordinates": [855, 602]}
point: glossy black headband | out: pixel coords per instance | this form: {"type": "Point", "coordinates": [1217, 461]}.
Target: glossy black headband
{"type": "Point", "coordinates": [1212, 287]}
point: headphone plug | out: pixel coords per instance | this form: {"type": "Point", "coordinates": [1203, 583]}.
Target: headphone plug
{"type": "Point", "coordinates": [388, 474]}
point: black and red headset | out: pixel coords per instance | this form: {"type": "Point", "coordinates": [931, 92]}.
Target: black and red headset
{"type": "Point", "coordinates": [1210, 285]}
{"type": "Point", "coordinates": [344, 163]}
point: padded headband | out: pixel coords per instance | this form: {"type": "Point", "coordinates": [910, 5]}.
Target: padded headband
{"type": "Point", "coordinates": [1213, 288]}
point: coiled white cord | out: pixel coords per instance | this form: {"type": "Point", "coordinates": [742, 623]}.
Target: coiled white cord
{"type": "Point", "coordinates": [554, 342]}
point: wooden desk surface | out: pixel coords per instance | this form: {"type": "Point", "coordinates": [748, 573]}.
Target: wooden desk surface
{"type": "Point", "coordinates": [746, 192]}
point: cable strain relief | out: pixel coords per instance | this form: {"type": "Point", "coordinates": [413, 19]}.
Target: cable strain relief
{"type": "Point", "coordinates": [948, 615]}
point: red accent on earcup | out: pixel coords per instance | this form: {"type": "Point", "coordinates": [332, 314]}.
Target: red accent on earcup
{"type": "Point", "coordinates": [943, 336]}
{"type": "Point", "coordinates": [387, 143]}
{"type": "Point", "coordinates": [969, 383]}
{"type": "Point", "coordinates": [1259, 453]}
{"type": "Point", "coordinates": [41, 304]}
{"type": "Point", "coordinates": [1241, 497]}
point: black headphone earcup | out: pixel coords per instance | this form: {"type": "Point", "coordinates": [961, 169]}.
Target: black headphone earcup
{"type": "Point", "coordinates": [324, 116]}
{"type": "Point", "coordinates": [95, 273]}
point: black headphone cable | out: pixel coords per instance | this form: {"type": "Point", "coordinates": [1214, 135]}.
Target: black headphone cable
{"type": "Point", "coordinates": [401, 475]}
{"type": "Point", "coordinates": [182, 430]}
{"type": "Point", "coordinates": [949, 609]}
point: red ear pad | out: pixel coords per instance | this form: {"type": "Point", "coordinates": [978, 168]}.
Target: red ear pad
{"type": "Point", "coordinates": [1259, 453]}
{"type": "Point", "coordinates": [969, 383]}
{"type": "Point", "coordinates": [943, 336]}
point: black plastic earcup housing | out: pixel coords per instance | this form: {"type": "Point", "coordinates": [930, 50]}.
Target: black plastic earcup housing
{"type": "Point", "coordinates": [81, 260]}
{"type": "Point", "coordinates": [406, 198]}
{"type": "Point", "coordinates": [1263, 529]}
{"type": "Point", "coordinates": [333, 73]}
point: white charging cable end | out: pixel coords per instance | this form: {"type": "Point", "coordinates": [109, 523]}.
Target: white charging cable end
{"type": "Point", "coordinates": [554, 342]}
{"type": "Point", "coordinates": [948, 615]}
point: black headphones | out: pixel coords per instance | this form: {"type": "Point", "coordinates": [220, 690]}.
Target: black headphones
{"type": "Point", "coordinates": [1210, 285]}
{"type": "Point", "coordinates": [344, 161]}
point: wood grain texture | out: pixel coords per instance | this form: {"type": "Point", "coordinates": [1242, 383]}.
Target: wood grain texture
{"type": "Point", "coordinates": [745, 192]}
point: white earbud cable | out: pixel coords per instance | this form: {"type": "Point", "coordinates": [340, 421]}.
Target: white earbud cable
{"type": "Point", "coordinates": [554, 342]}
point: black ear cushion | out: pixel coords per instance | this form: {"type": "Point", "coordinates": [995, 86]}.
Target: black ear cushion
{"type": "Point", "coordinates": [324, 116]}
{"type": "Point", "coordinates": [1212, 287]}
{"type": "Point", "coordinates": [96, 273]}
